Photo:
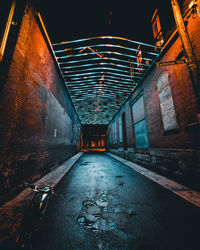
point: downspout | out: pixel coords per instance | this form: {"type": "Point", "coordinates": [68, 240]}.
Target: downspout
{"type": "Point", "coordinates": [189, 54]}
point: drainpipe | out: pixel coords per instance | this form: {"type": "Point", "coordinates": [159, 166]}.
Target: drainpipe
{"type": "Point", "coordinates": [189, 54]}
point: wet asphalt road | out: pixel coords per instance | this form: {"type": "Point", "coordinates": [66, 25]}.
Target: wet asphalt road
{"type": "Point", "coordinates": [103, 204]}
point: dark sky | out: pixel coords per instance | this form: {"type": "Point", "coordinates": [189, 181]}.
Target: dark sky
{"type": "Point", "coordinates": [68, 20]}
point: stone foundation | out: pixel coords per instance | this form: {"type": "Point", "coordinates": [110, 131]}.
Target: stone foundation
{"type": "Point", "coordinates": [182, 165]}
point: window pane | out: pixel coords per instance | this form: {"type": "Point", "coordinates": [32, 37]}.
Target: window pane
{"type": "Point", "coordinates": [120, 129]}
{"type": "Point", "coordinates": [138, 110]}
{"type": "Point", "coordinates": [114, 133]}
{"type": "Point", "coordinates": [141, 134]}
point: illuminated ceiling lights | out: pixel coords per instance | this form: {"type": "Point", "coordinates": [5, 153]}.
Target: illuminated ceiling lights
{"type": "Point", "coordinates": [101, 72]}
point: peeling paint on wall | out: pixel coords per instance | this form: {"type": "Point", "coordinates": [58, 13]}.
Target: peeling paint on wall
{"type": "Point", "coordinates": [166, 102]}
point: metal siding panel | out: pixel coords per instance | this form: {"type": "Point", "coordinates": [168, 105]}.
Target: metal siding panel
{"type": "Point", "coordinates": [120, 130]}
{"type": "Point", "coordinates": [138, 110]}
{"type": "Point", "coordinates": [141, 134]}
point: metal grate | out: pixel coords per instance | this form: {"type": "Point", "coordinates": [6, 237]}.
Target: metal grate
{"type": "Point", "coordinates": [101, 72]}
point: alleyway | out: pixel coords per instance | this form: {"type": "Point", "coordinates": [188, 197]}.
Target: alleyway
{"type": "Point", "coordinates": [100, 102]}
{"type": "Point", "coordinates": [125, 209]}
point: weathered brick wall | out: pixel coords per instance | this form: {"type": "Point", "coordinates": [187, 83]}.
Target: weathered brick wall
{"type": "Point", "coordinates": [194, 32]}
{"type": "Point", "coordinates": [176, 154]}
{"type": "Point", "coordinates": [36, 112]}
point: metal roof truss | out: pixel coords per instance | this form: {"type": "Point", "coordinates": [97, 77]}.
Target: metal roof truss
{"type": "Point", "coordinates": [101, 72]}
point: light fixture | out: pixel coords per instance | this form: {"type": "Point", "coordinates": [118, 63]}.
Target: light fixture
{"type": "Point", "coordinates": [193, 5]}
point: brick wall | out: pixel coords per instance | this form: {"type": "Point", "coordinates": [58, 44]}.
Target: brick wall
{"type": "Point", "coordinates": [37, 115]}
{"type": "Point", "coordinates": [176, 153]}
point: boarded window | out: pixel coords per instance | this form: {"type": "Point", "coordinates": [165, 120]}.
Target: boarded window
{"type": "Point", "coordinates": [114, 133]}
{"type": "Point", "coordinates": [139, 121]}
{"type": "Point", "coordinates": [138, 110]}
{"type": "Point", "coordinates": [120, 130]}
{"type": "Point", "coordinates": [110, 135]}
{"type": "Point", "coordinates": [166, 102]}
{"type": "Point", "coordinates": [141, 134]}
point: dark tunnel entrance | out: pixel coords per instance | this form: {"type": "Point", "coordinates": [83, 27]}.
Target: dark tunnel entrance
{"type": "Point", "coordinates": [94, 138]}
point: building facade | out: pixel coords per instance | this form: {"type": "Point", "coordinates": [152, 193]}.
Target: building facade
{"type": "Point", "coordinates": [39, 126]}
{"type": "Point", "coordinates": [158, 125]}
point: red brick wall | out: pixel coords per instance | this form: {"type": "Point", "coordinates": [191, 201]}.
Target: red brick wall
{"type": "Point", "coordinates": [182, 93]}
{"type": "Point", "coordinates": [35, 110]}
{"type": "Point", "coordinates": [194, 32]}
{"type": "Point", "coordinates": [176, 151]}
{"type": "Point", "coordinates": [183, 99]}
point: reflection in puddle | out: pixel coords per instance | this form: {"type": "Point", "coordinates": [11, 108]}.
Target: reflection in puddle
{"type": "Point", "coordinates": [87, 224]}
{"type": "Point", "coordinates": [92, 218]}
{"type": "Point", "coordinates": [98, 226]}
{"type": "Point", "coordinates": [102, 201]}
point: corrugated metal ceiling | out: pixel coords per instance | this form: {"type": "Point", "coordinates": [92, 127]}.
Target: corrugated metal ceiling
{"type": "Point", "coordinates": [101, 72]}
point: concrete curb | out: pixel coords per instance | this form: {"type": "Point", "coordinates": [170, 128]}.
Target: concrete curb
{"type": "Point", "coordinates": [180, 190]}
{"type": "Point", "coordinates": [12, 211]}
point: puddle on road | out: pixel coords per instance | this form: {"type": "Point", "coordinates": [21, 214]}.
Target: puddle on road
{"type": "Point", "coordinates": [102, 201]}
{"type": "Point", "coordinates": [92, 218]}
{"type": "Point", "coordinates": [119, 176]}
{"type": "Point", "coordinates": [92, 214]}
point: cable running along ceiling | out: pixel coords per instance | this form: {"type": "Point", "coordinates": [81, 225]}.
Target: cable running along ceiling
{"type": "Point", "coordinates": [101, 72]}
